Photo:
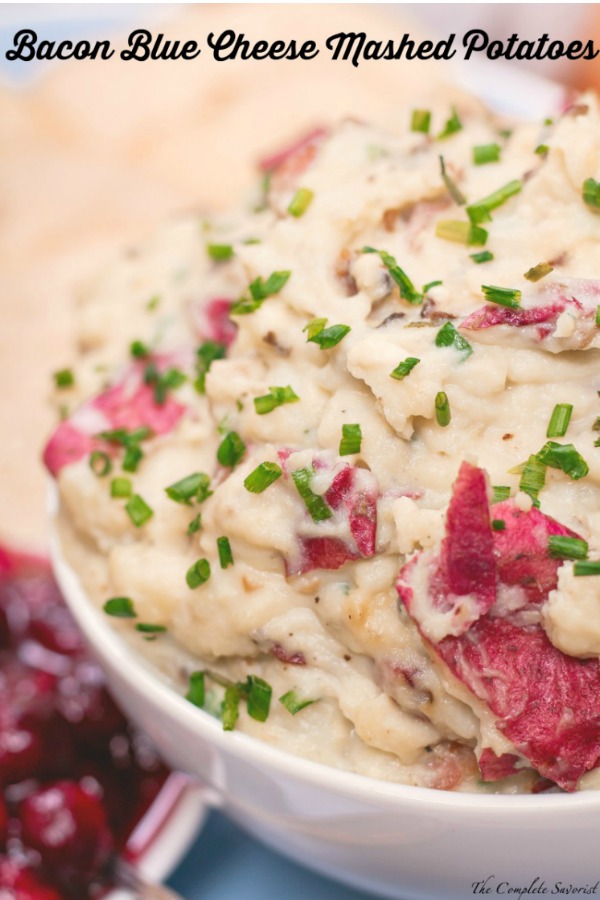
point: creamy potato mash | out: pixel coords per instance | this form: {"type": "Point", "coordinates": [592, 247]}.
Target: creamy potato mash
{"type": "Point", "coordinates": [261, 436]}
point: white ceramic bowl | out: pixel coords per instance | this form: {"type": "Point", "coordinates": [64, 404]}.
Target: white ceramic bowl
{"type": "Point", "coordinates": [394, 840]}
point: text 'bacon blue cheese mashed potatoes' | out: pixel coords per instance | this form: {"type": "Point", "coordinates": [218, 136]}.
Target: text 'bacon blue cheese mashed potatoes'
{"type": "Point", "coordinates": [335, 459]}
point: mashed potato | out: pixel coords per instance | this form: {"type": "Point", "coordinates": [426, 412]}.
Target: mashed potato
{"type": "Point", "coordinates": [269, 414]}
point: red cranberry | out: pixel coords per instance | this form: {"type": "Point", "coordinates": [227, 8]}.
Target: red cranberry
{"type": "Point", "coordinates": [21, 753]}
{"type": "Point", "coordinates": [54, 628]}
{"type": "Point", "coordinates": [3, 822]}
{"type": "Point", "coordinates": [67, 826]}
{"type": "Point", "coordinates": [84, 702]}
{"type": "Point", "coordinates": [22, 883]}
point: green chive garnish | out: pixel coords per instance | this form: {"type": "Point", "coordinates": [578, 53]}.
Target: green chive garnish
{"type": "Point", "coordinates": [405, 367]}
{"type": "Point", "coordinates": [132, 457]}
{"type": "Point", "coordinates": [120, 607]}
{"type": "Point", "coordinates": [225, 554]}
{"type": "Point", "coordinates": [564, 457]}
{"type": "Point", "coordinates": [196, 693]}
{"type": "Point", "coordinates": [451, 127]}
{"type": "Point", "coordinates": [139, 350]}
{"type": "Point", "coordinates": [542, 149]}
{"type": "Point", "coordinates": [598, 315]}
{"type": "Point", "coordinates": [326, 338]}
{"type": "Point", "coordinates": [260, 290]}
{"type": "Point", "coordinates": [198, 574]}
{"type": "Point", "coordinates": [192, 487]}
{"type": "Point", "coordinates": [486, 153]}
{"type": "Point", "coordinates": [153, 302]}
{"type": "Point", "coordinates": [219, 252]}
{"type": "Point", "coordinates": [461, 232]}
{"type": "Point", "coordinates": [351, 440]}
{"type": "Point", "coordinates": [277, 396]}
{"type": "Point", "coordinates": [206, 354]}
{"type": "Point", "coordinates": [589, 567]}
{"type": "Point", "coordinates": [258, 697]}
{"type": "Point", "coordinates": [533, 478]}
{"type": "Point", "coordinates": [563, 547]}
{"type": "Point", "coordinates": [163, 382]}
{"type": "Point", "coordinates": [500, 492]}
{"type": "Point", "coordinates": [498, 525]}
{"type": "Point", "coordinates": [149, 628]}
{"type": "Point", "coordinates": [591, 193]}
{"type": "Point", "coordinates": [231, 450]}
{"type": "Point", "coordinates": [480, 211]}
{"type": "Point", "coordinates": [420, 120]}
{"type": "Point", "coordinates": [315, 504]}
{"type": "Point", "coordinates": [442, 409]}
{"type": "Point", "coordinates": [195, 525]}
{"type": "Point", "coordinates": [484, 256]}
{"type": "Point", "coordinates": [453, 189]}
{"type": "Point", "coordinates": [559, 420]}
{"type": "Point", "coordinates": [230, 708]}
{"type": "Point", "coordinates": [300, 202]}
{"type": "Point", "coordinates": [64, 378]}
{"type": "Point", "coordinates": [407, 289]}
{"type": "Point", "coordinates": [448, 336]}
{"type": "Point", "coordinates": [510, 297]}
{"type": "Point", "coordinates": [120, 487]}
{"type": "Point", "coordinates": [293, 703]}
{"type": "Point", "coordinates": [431, 284]}
{"type": "Point", "coordinates": [262, 477]}
{"type": "Point", "coordinates": [138, 510]}
{"type": "Point", "coordinates": [536, 273]}
{"type": "Point", "coordinates": [100, 463]}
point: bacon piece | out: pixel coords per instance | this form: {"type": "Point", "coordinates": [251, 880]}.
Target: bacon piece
{"type": "Point", "coordinates": [295, 658]}
{"type": "Point", "coordinates": [493, 767]}
{"type": "Point", "coordinates": [300, 153]}
{"type": "Point", "coordinates": [211, 320]}
{"type": "Point", "coordinates": [545, 702]}
{"type": "Point", "coordinates": [129, 404]}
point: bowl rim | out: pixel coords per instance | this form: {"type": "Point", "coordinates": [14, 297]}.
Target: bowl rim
{"type": "Point", "coordinates": [147, 681]}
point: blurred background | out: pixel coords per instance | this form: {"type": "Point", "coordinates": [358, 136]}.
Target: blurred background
{"type": "Point", "coordinates": [96, 154]}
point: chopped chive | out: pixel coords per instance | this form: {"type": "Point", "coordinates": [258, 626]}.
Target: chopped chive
{"type": "Point", "coordinates": [486, 153]}
{"type": "Point", "coordinates": [260, 290]}
{"type": "Point", "coordinates": [300, 202]}
{"type": "Point", "coordinates": [542, 149]}
{"type": "Point", "coordinates": [564, 457]}
{"type": "Point", "coordinates": [197, 574]}
{"type": "Point", "coordinates": [498, 525]}
{"type": "Point", "coordinates": [206, 354]}
{"type": "Point", "coordinates": [293, 703]}
{"type": "Point", "coordinates": [132, 457]}
{"type": "Point", "coordinates": [277, 396]}
{"type": "Point", "coordinates": [138, 510]}
{"type": "Point", "coordinates": [500, 492]}
{"type": "Point", "coordinates": [149, 628]}
{"type": "Point", "coordinates": [451, 127]}
{"type": "Point", "coordinates": [559, 420]}
{"type": "Point", "coordinates": [120, 487]}
{"type": "Point", "coordinates": [420, 121]}
{"type": "Point", "coordinates": [548, 121]}
{"type": "Point", "coordinates": [351, 440]}
{"type": "Point", "coordinates": [480, 211]}
{"type": "Point", "coordinates": [483, 256]}
{"type": "Point", "coordinates": [407, 289]}
{"type": "Point", "coordinates": [405, 367]}
{"type": "Point", "coordinates": [195, 525]}
{"type": "Point", "coordinates": [431, 284]}
{"type": "Point", "coordinates": [258, 698]}
{"type": "Point", "coordinates": [219, 252]}
{"type": "Point", "coordinates": [591, 193]}
{"type": "Point", "coordinates": [533, 478]}
{"type": "Point", "coordinates": [225, 554]}
{"type": "Point", "coordinates": [510, 297]}
{"type": "Point", "coordinates": [588, 567]}
{"type": "Point", "coordinates": [231, 450]}
{"type": "Point", "coordinates": [442, 409]}
{"type": "Point", "coordinates": [596, 425]}
{"type": "Point", "coordinates": [64, 378]}
{"type": "Point", "coordinates": [120, 607]}
{"type": "Point", "coordinates": [125, 438]}
{"type": "Point", "coordinates": [139, 350]}
{"type": "Point", "coordinates": [153, 302]}
{"type": "Point", "coordinates": [196, 693]}
{"type": "Point", "coordinates": [327, 338]}
{"type": "Point", "coordinates": [192, 487]}
{"type": "Point", "coordinates": [598, 315]}
{"type": "Point", "coordinates": [315, 504]}
{"type": "Point", "coordinates": [461, 232]}
{"type": "Point", "coordinates": [314, 327]}
{"type": "Point", "coordinates": [453, 189]}
{"type": "Point", "coordinates": [563, 547]}
{"type": "Point", "coordinates": [448, 336]}
{"type": "Point", "coordinates": [162, 382]}
{"type": "Point", "coordinates": [100, 463]}
{"type": "Point", "coordinates": [230, 708]}
{"type": "Point", "coordinates": [262, 477]}
{"type": "Point", "coordinates": [536, 273]}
